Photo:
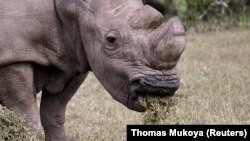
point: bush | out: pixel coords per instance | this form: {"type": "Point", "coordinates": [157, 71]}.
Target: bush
{"type": "Point", "coordinates": [222, 12]}
{"type": "Point", "coordinates": [12, 128]}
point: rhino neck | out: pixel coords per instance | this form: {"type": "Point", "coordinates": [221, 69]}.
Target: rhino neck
{"type": "Point", "coordinates": [67, 16]}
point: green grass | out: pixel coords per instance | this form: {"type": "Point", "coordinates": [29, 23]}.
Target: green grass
{"type": "Point", "coordinates": [215, 89]}
{"type": "Point", "coordinates": [12, 128]}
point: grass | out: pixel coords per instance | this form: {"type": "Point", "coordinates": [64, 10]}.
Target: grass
{"type": "Point", "coordinates": [12, 128]}
{"type": "Point", "coordinates": [93, 115]}
{"type": "Point", "coordinates": [215, 89]}
{"type": "Point", "coordinates": [159, 109]}
{"type": "Point", "coordinates": [215, 72]}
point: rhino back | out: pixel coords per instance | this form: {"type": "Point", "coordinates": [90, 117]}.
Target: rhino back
{"type": "Point", "coordinates": [30, 32]}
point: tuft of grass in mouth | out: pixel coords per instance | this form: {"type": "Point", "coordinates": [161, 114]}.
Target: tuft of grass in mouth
{"type": "Point", "coordinates": [158, 109]}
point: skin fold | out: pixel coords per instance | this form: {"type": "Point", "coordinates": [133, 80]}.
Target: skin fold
{"type": "Point", "coordinates": [51, 45]}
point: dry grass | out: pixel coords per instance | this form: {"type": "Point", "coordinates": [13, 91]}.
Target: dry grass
{"type": "Point", "coordinates": [93, 115]}
{"type": "Point", "coordinates": [12, 128]}
{"type": "Point", "coordinates": [215, 74]}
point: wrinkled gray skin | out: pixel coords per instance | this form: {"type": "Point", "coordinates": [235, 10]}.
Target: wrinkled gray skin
{"type": "Point", "coordinates": [51, 45]}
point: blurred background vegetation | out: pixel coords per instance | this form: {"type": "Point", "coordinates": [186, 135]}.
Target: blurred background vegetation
{"type": "Point", "coordinates": [206, 15]}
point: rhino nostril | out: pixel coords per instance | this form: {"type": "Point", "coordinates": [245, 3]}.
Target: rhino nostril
{"type": "Point", "coordinates": [151, 86]}
{"type": "Point", "coordinates": [136, 82]}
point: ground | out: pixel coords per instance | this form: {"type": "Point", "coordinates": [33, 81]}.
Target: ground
{"type": "Point", "coordinates": [215, 89]}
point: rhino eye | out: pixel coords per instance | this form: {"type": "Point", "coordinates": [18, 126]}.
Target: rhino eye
{"type": "Point", "coordinates": [111, 40]}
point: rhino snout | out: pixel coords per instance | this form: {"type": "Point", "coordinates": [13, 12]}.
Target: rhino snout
{"type": "Point", "coordinates": [154, 85]}
{"type": "Point", "coordinates": [157, 85]}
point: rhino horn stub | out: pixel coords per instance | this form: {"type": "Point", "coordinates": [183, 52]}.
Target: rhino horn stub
{"type": "Point", "coordinates": [168, 41]}
{"type": "Point", "coordinates": [173, 27]}
{"type": "Point", "coordinates": [145, 18]}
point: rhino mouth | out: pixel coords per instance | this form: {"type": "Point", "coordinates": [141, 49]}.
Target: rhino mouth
{"type": "Point", "coordinates": [153, 86]}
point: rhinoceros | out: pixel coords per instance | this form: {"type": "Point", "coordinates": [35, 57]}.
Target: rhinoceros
{"type": "Point", "coordinates": [51, 45]}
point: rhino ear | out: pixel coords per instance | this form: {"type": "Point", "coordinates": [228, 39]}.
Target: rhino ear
{"type": "Point", "coordinates": [145, 18]}
{"type": "Point", "coordinates": [66, 9]}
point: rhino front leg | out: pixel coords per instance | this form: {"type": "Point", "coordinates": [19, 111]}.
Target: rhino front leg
{"type": "Point", "coordinates": [53, 107]}
{"type": "Point", "coordinates": [17, 92]}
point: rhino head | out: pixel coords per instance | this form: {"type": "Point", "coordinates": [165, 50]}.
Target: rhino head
{"type": "Point", "coordinates": [130, 49]}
